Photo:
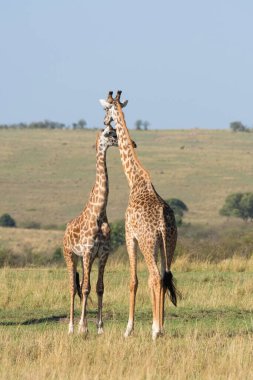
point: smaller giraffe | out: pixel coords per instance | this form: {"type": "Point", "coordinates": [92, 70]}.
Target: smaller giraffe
{"type": "Point", "coordinates": [88, 236]}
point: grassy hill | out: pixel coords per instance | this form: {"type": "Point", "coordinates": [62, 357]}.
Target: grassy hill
{"type": "Point", "coordinates": [46, 175]}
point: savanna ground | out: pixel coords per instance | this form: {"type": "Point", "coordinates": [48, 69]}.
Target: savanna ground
{"type": "Point", "coordinates": [45, 179]}
{"type": "Point", "coordinates": [208, 336]}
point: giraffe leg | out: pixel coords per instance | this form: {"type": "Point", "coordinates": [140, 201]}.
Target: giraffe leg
{"type": "Point", "coordinates": [71, 261]}
{"type": "Point", "coordinates": [161, 312]}
{"type": "Point", "coordinates": [155, 283]}
{"type": "Point", "coordinates": [163, 291]}
{"type": "Point", "coordinates": [158, 294]}
{"type": "Point", "coordinates": [87, 263]}
{"type": "Point", "coordinates": [100, 287]}
{"type": "Point", "coordinates": [131, 244]}
{"type": "Point", "coordinates": [82, 266]}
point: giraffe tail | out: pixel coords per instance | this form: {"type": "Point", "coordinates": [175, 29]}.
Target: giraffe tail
{"type": "Point", "coordinates": [168, 280]}
{"type": "Point", "coordinates": [78, 287]}
{"type": "Point", "coordinates": [169, 283]}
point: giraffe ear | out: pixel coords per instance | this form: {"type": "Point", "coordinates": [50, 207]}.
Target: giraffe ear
{"type": "Point", "coordinates": [105, 104]}
{"type": "Point", "coordinates": [124, 104]}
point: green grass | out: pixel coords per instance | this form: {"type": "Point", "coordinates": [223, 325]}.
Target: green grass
{"type": "Point", "coordinates": [46, 176]}
{"type": "Point", "coordinates": [209, 335]}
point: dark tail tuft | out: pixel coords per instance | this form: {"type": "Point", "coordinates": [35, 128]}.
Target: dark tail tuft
{"type": "Point", "coordinates": [169, 283]}
{"type": "Point", "coordinates": [78, 287]}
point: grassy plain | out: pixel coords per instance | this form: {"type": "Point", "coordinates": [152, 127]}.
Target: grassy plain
{"type": "Point", "coordinates": [209, 335]}
{"type": "Point", "coordinates": [46, 175]}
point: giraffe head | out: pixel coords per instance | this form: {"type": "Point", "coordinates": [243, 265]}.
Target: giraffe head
{"type": "Point", "coordinates": [110, 106]}
{"type": "Point", "coordinates": [106, 137]}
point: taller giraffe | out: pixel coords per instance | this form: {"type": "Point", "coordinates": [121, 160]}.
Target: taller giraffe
{"type": "Point", "coordinates": [149, 221]}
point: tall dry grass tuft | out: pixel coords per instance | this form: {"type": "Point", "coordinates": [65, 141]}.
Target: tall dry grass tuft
{"type": "Point", "coordinates": [232, 264]}
{"type": "Point", "coordinates": [54, 355]}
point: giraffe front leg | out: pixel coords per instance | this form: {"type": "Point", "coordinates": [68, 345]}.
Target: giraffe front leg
{"type": "Point", "coordinates": [100, 287]}
{"type": "Point", "coordinates": [132, 253]}
{"type": "Point", "coordinates": [87, 263]}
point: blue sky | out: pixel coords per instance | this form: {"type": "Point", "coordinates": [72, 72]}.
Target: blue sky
{"type": "Point", "coordinates": [181, 64]}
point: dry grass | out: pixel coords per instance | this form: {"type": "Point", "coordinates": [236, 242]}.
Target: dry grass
{"type": "Point", "coordinates": [196, 244]}
{"type": "Point", "coordinates": [232, 264]}
{"type": "Point", "coordinates": [46, 176]}
{"type": "Point", "coordinates": [208, 336]}
{"type": "Point", "coordinates": [53, 355]}
{"type": "Point", "coordinates": [19, 240]}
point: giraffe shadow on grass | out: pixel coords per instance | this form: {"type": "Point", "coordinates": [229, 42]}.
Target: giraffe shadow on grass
{"type": "Point", "coordinates": [35, 321]}
{"type": "Point", "coordinates": [61, 318]}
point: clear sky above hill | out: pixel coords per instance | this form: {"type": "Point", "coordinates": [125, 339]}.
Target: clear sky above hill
{"type": "Point", "coordinates": [181, 64]}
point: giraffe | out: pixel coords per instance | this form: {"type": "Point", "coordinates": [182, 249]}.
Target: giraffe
{"type": "Point", "coordinates": [88, 236]}
{"type": "Point", "coordinates": [149, 222]}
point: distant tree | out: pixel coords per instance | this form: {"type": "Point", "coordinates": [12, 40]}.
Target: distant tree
{"type": "Point", "coordinates": [81, 124]}
{"type": "Point", "coordinates": [179, 208]}
{"type": "Point", "coordinates": [46, 124]}
{"type": "Point", "coordinates": [237, 126]}
{"type": "Point", "coordinates": [7, 221]}
{"type": "Point", "coordinates": [145, 125]}
{"type": "Point", "coordinates": [239, 205]}
{"type": "Point", "coordinates": [138, 125]}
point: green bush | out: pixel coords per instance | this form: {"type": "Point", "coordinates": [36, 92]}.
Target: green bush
{"type": "Point", "coordinates": [117, 234]}
{"type": "Point", "coordinates": [179, 220]}
{"type": "Point", "coordinates": [7, 221]}
{"type": "Point", "coordinates": [239, 205]}
{"type": "Point", "coordinates": [179, 208]}
{"type": "Point", "coordinates": [58, 255]}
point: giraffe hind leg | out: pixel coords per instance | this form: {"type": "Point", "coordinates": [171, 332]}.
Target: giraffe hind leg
{"type": "Point", "coordinates": [132, 254]}
{"type": "Point", "coordinates": [71, 261]}
{"type": "Point", "coordinates": [150, 253]}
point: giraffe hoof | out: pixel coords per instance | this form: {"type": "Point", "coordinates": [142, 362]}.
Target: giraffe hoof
{"type": "Point", "coordinates": [129, 329]}
{"type": "Point", "coordinates": [71, 330]}
{"type": "Point", "coordinates": [156, 334]}
{"type": "Point", "coordinates": [127, 333]}
{"type": "Point", "coordinates": [100, 331]}
{"type": "Point", "coordinates": [83, 330]}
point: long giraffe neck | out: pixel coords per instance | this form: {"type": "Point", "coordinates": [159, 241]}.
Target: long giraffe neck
{"type": "Point", "coordinates": [99, 194]}
{"type": "Point", "coordinates": [131, 164]}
